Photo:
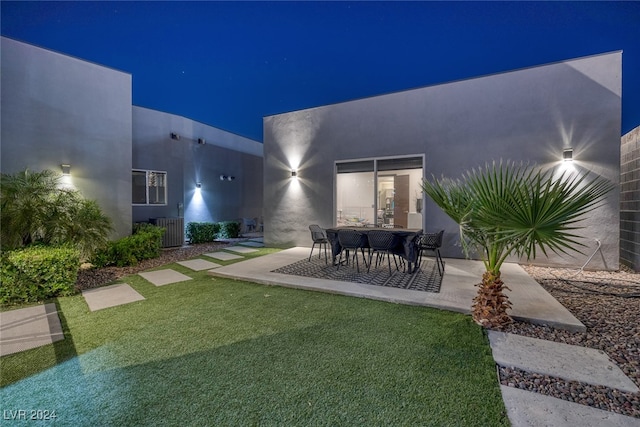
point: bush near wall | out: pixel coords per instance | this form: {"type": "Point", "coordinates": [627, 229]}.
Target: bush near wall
{"type": "Point", "coordinates": [229, 230]}
{"type": "Point", "coordinates": [144, 243]}
{"type": "Point", "coordinates": [203, 232]}
{"type": "Point", "coordinates": [37, 273]}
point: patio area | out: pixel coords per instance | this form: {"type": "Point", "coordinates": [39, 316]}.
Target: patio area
{"type": "Point", "coordinates": [530, 301]}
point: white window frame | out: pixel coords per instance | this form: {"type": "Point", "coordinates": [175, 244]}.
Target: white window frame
{"type": "Point", "coordinates": [147, 176]}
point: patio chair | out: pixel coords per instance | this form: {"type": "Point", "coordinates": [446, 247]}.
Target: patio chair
{"type": "Point", "coordinates": [319, 237]}
{"type": "Point", "coordinates": [381, 243]}
{"type": "Point", "coordinates": [431, 242]}
{"type": "Point", "coordinates": [352, 240]}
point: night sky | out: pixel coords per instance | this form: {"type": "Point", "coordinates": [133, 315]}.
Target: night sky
{"type": "Point", "coordinates": [228, 64]}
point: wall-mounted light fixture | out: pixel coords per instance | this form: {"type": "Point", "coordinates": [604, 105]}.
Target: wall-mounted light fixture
{"type": "Point", "coordinates": [227, 178]}
{"type": "Point", "coordinates": [175, 136]}
{"type": "Point", "coordinates": [66, 169]}
{"type": "Point", "coordinates": [201, 141]}
{"type": "Point", "coordinates": [567, 154]}
{"type": "Point", "coordinates": [198, 185]}
{"type": "Point", "coordinates": [294, 174]}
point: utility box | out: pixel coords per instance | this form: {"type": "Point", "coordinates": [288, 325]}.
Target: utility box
{"type": "Point", "coordinates": [174, 234]}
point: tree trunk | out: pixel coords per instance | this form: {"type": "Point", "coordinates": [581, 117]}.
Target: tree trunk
{"type": "Point", "coordinates": [491, 304]}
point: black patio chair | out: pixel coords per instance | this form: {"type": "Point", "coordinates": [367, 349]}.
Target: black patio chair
{"type": "Point", "coordinates": [352, 240]}
{"type": "Point", "coordinates": [431, 242]}
{"type": "Point", "coordinates": [319, 237]}
{"type": "Point", "coordinates": [381, 243]}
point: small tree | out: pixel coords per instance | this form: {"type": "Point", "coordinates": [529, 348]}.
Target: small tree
{"type": "Point", "coordinates": [507, 209]}
{"type": "Point", "coordinates": [34, 208]}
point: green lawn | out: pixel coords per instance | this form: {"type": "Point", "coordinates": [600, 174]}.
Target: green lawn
{"type": "Point", "coordinates": [220, 352]}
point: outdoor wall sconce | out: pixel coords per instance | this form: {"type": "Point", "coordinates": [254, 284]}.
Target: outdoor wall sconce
{"type": "Point", "coordinates": [66, 170]}
{"type": "Point", "coordinates": [227, 178]}
{"type": "Point", "coordinates": [175, 136]}
{"type": "Point", "coordinates": [201, 141]}
{"type": "Point", "coordinates": [294, 174]}
{"type": "Point", "coordinates": [198, 185]}
{"type": "Point", "coordinates": [567, 154]}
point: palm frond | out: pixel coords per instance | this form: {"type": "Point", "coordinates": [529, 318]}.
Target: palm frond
{"type": "Point", "coordinates": [507, 208]}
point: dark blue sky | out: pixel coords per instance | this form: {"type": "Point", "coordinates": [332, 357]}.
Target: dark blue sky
{"type": "Point", "coordinates": [228, 64]}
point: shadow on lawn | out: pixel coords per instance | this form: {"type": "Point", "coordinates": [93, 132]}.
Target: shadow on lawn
{"type": "Point", "coordinates": [352, 372]}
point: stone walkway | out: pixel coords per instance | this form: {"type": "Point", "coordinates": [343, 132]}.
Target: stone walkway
{"type": "Point", "coordinates": [569, 362]}
{"type": "Point", "coordinates": [29, 328]}
{"type": "Point", "coordinates": [32, 327]}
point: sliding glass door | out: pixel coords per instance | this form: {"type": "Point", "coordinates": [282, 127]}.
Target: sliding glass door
{"type": "Point", "coordinates": [382, 192]}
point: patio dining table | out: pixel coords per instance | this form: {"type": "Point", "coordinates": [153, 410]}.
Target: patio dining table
{"type": "Point", "coordinates": [405, 246]}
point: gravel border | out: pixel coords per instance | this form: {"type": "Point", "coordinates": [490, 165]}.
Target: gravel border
{"type": "Point", "coordinates": [607, 303]}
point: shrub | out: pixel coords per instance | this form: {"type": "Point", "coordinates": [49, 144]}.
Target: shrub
{"type": "Point", "coordinates": [37, 273]}
{"type": "Point", "coordinates": [229, 229]}
{"type": "Point", "coordinates": [202, 232]}
{"type": "Point", "coordinates": [144, 243]}
{"type": "Point", "coordinates": [37, 209]}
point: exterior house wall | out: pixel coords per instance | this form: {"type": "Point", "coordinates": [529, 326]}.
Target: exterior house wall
{"type": "Point", "coordinates": [527, 115]}
{"type": "Point", "coordinates": [630, 200]}
{"type": "Point", "coordinates": [187, 162]}
{"type": "Point", "coordinates": [61, 110]}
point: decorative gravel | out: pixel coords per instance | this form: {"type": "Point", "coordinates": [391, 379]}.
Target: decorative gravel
{"type": "Point", "coordinates": [608, 304]}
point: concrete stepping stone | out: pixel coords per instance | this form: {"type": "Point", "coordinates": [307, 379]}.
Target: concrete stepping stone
{"type": "Point", "coordinates": [570, 362]}
{"type": "Point", "coordinates": [110, 296]}
{"type": "Point", "coordinates": [199, 264]}
{"type": "Point", "coordinates": [240, 249]}
{"type": "Point", "coordinates": [252, 244]}
{"type": "Point", "coordinates": [224, 256]}
{"type": "Point", "coordinates": [28, 328]}
{"type": "Point", "coordinates": [164, 277]}
{"type": "Point", "coordinates": [526, 408]}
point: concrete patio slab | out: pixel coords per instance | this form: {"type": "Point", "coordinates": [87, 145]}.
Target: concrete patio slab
{"type": "Point", "coordinates": [199, 264]}
{"type": "Point", "coordinates": [110, 296]}
{"type": "Point", "coordinates": [240, 249]}
{"type": "Point", "coordinates": [530, 301]}
{"type": "Point", "coordinates": [28, 328]}
{"type": "Point", "coordinates": [164, 277]}
{"type": "Point", "coordinates": [570, 362]}
{"type": "Point", "coordinates": [527, 409]}
{"type": "Point", "coordinates": [223, 256]}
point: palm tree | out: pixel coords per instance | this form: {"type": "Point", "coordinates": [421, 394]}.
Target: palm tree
{"type": "Point", "coordinates": [512, 209]}
{"type": "Point", "coordinates": [26, 203]}
{"type": "Point", "coordinates": [35, 208]}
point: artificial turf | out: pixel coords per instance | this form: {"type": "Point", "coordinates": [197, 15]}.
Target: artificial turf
{"type": "Point", "coordinates": [213, 351]}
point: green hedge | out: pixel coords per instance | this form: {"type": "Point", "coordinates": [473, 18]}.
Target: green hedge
{"type": "Point", "coordinates": [203, 232]}
{"type": "Point", "coordinates": [229, 229]}
{"type": "Point", "coordinates": [37, 273]}
{"type": "Point", "coordinates": [144, 243]}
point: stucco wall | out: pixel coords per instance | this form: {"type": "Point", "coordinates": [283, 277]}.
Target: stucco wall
{"type": "Point", "coordinates": [525, 115]}
{"type": "Point", "coordinates": [187, 162]}
{"type": "Point", "coordinates": [60, 110]}
{"type": "Point", "coordinates": [630, 200]}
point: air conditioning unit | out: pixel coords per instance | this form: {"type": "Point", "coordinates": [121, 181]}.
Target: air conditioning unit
{"type": "Point", "coordinates": [174, 234]}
